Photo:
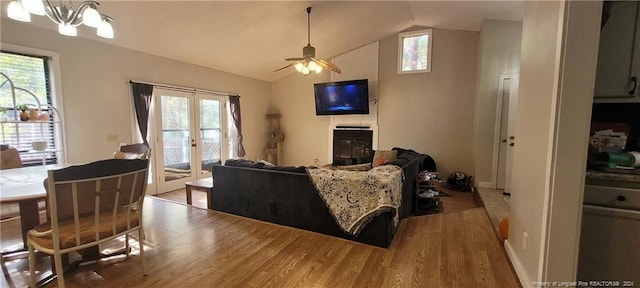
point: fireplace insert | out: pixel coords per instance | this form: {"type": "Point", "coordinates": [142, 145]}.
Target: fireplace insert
{"type": "Point", "coordinates": [352, 147]}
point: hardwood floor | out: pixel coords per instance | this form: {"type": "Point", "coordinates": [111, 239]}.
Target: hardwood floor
{"type": "Point", "coordinates": [191, 247]}
{"type": "Point", "coordinates": [199, 198]}
{"type": "Point", "coordinates": [458, 201]}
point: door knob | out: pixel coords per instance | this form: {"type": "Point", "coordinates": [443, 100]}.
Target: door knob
{"type": "Point", "coordinates": [503, 140]}
{"type": "Point", "coordinates": [193, 143]}
{"type": "Point", "coordinates": [512, 144]}
{"type": "Point", "coordinates": [512, 137]}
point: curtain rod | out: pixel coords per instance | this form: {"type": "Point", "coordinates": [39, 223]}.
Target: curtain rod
{"type": "Point", "coordinates": [189, 89]}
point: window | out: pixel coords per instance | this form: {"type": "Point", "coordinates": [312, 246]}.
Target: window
{"type": "Point", "coordinates": [31, 73]}
{"type": "Point", "coordinates": [414, 51]}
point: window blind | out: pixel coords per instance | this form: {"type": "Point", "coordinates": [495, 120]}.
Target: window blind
{"type": "Point", "coordinates": [30, 72]}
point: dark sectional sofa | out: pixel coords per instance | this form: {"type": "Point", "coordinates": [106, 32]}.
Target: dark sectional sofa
{"type": "Point", "coordinates": [285, 195]}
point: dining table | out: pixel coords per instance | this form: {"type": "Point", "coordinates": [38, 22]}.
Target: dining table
{"type": "Point", "coordinates": [25, 186]}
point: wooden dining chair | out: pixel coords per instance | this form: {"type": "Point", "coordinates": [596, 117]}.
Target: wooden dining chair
{"type": "Point", "coordinates": [138, 148]}
{"type": "Point", "coordinates": [10, 158]}
{"type": "Point", "coordinates": [88, 205]}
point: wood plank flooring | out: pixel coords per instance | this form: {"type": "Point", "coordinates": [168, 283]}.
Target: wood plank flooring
{"type": "Point", "coordinates": [459, 201]}
{"type": "Point", "coordinates": [191, 247]}
{"type": "Point", "coordinates": [199, 198]}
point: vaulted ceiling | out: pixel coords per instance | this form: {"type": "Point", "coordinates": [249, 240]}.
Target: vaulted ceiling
{"type": "Point", "coordinates": [252, 38]}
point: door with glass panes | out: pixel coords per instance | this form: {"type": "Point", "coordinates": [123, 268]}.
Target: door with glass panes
{"type": "Point", "coordinates": [190, 136]}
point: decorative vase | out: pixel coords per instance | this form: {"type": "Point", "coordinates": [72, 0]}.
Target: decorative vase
{"type": "Point", "coordinates": [43, 117]}
{"type": "Point", "coordinates": [24, 115]}
{"type": "Point", "coordinates": [33, 114]}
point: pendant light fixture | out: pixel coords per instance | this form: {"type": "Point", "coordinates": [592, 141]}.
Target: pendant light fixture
{"type": "Point", "coordinates": [64, 15]}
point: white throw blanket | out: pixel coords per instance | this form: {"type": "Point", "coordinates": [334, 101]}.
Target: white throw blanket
{"type": "Point", "coordinates": [355, 198]}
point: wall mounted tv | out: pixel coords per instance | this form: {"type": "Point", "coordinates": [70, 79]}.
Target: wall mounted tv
{"type": "Point", "coordinates": [340, 98]}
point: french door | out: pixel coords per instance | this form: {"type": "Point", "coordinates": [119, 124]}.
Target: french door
{"type": "Point", "coordinates": [190, 136]}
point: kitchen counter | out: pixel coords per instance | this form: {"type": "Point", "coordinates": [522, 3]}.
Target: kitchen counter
{"type": "Point", "coordinates": [624, 180]}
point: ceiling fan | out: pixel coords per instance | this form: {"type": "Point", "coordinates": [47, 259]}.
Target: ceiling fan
{"type": "Point", "coordinates": [308, 63]}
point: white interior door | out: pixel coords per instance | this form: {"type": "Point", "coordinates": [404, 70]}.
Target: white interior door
{"type": "Point", "coordinates": [508, 90]}
{"type": "Point", "coordinates": [511, 129]}
{"type": "Point", "coordinates": [504, 124]}
{"type": "Point", "coordinates": [190, 134]}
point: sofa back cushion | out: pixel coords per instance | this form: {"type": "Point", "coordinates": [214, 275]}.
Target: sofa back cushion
{"type": "Point", "coordinates": [262, 165]}
{"type": "Point", "coordinates": [243, 163]}
{"type": "Point", "coordinates": [405, 153]}
{"type": "Point", "coordinates": [294, 169]}
{"type": "Point", "coordinates": [400, 162]}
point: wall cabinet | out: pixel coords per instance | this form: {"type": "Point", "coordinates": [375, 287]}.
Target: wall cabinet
{"type": "Point", "coordinates": [619, 52]}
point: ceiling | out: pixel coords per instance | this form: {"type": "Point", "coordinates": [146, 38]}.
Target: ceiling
{"type": "Point", "coordinates": [252, 38]}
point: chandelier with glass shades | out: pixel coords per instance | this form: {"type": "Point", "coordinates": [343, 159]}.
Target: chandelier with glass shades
{"type": "Point", "coordinates": [65, 15]}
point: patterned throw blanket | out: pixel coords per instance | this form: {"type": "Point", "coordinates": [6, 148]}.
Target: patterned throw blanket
{"type": "Point", "coordinates": [355, 198]}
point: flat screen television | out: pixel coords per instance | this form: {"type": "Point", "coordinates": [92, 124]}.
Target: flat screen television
{"type": "Point", "coordinates": [340, 98]}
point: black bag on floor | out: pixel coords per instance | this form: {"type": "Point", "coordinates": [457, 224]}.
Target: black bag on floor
{"type": "Point", "coordinates": [459, 181]}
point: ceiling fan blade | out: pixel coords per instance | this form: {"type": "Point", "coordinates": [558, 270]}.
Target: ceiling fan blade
{"type": "Point", "coordinates": [285, 67]}
{"type": "Point", "coordinates": [294, 59]}
{"type": "Point", "coordinates": [327, 65]}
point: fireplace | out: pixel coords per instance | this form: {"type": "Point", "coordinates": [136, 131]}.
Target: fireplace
{"type": "Point", "coordinates": [352, 146]}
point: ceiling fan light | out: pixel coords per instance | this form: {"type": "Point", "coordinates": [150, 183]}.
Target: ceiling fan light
{"type": "Point", "coordinates": [67, 30]}
{"type": "Point", "coordinates": [307, 62]}
{"type": "Point", "coordinates": [312, 65]}
{"type": "Point", "coordinates": [33, 6]}
{"type": "Point", "coordinates": [91, 17]}
{"type": "Point", "coordinates": [105, 30]}
{"type": "Point", "coordinates": [15, 11]}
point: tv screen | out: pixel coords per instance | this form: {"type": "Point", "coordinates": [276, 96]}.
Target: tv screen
{"type": "Point", "coordinates": [339, 98]}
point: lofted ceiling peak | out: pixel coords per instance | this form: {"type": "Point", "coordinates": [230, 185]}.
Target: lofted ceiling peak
{"type": "Point", "coordinates": [252, 38]}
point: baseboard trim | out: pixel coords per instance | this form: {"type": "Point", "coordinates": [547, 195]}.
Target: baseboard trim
{"type": "Point", "coordinates": [486, 185]}
{"type": "Point", "coordinates": [525, 281]}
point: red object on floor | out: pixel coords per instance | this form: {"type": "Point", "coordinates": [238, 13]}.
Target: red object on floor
{"type": "Point", "coordinates": [504, 228]}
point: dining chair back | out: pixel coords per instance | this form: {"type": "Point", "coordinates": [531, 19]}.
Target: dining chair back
{"type": "Point", "coordinates": [10, 158]}
{"type": "Point", "coordinates": [138, 148]}
{"type": "Point", "coordinates": [88, 205]}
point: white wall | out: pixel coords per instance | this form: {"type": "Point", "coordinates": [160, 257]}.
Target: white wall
{"type": "Point", "coordinates": [305, 134]}
{"type": "Point", "coordinates": [558, 61]}
{"type": "Point", "coordinates": [431, 113]}
{"type": "Point", "coordinates": [360, 63]}
{"type": "Point", "coordinates": [499, 54]}
{"type": "Point", "coordinates": [536, 117]}
{"type": "Point", "coordinates": [577, 79]}
{"type": "Point", "coordinates": [95, 88]}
